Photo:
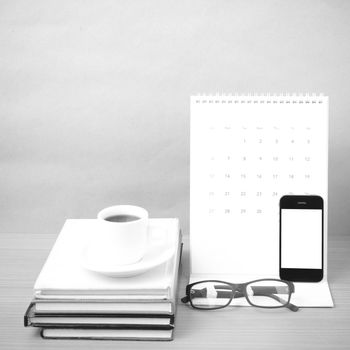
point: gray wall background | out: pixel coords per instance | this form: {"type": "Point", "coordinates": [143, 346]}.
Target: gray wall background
{"type": "Point", "coordinates": [94, 96]}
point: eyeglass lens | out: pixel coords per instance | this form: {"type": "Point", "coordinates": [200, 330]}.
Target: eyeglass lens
{"type": "Point", "coordinates": [210, 295]}
{"type": "Point", "coordinates": [268, 293]}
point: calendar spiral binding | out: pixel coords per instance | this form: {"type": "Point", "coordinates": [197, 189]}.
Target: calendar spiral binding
{"type": "Point", "coordinates": [251, 98]}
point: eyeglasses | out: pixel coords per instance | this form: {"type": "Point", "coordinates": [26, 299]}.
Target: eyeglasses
{"type": "Point", "coordinates": [264, 293]}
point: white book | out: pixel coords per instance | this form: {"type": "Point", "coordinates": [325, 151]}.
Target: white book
{"type": "Point", "coordinates": [104, 308]}
{"type": "Point", "coordinates": [120, 334]}
{"type": "Point", "coordinates": [98, 321]}
{"type": "Point", "coordinates": [64, 277]}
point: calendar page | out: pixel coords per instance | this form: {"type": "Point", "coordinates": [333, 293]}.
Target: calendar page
{"type": "Point", "coordinates": [246, 153]}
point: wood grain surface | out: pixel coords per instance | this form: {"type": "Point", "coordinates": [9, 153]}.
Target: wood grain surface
{"type": "Point", "coordinates": [22, 256]}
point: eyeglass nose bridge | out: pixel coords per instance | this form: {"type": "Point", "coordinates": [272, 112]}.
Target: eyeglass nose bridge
{"type": "Point", "coordinates": [237, 290]}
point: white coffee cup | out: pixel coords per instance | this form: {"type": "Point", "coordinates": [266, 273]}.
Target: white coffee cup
{"type": "Point", "coordinates": [120, 242]}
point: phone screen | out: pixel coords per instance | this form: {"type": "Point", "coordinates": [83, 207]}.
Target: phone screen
{"type": "Point", "coordinates": [301, 238]}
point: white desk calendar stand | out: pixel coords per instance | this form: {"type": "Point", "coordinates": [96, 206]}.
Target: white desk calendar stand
{"type": "Point", "coordinates": [246, 153]}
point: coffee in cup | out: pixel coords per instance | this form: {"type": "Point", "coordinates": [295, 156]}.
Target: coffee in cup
{"type": "Point", "coordinates": [121, 235]}
{"type": "Point", "coordinates": [122, 218]}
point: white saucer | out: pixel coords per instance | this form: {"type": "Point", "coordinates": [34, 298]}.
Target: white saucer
{"type": "Point", "coordinates": [160, 249]}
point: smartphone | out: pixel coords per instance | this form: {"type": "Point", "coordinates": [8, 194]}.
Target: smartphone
{"type": "Point", "coordinates": [301, 238]}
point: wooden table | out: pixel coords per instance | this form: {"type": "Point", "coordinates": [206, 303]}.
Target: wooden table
{"type": "Point", "coordinates": [22, 256]}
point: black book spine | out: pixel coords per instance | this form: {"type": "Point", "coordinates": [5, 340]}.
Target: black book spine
{"type": "Point", "coordinates": [26, 318]}
{"type": "Point", "coordinates": [104, 326]}
{"type": "Point", "coordinates": [104, 315]}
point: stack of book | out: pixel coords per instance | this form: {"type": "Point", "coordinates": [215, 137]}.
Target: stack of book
{"type": "Point", "coordinates": [73, 302]}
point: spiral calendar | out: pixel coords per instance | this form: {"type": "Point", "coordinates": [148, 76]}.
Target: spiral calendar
{"type": "Point", "coordinates": [247, 151]}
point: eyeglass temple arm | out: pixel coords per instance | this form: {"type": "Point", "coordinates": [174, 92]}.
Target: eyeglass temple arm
{"type": "Point", "coordinates": [198, 293]}
{"type": "Point", "coordinates": [203, 293]}
{"type": "Point", "coordinates": [265, 289]}
{"type": "Point", "coordinates": [268, 291]}
{"type": "Point", "coordinates": [289, 306]}
{"type": "Point", "coordinates": [271, 292]}
{"type": "Point", "coordinates": [185, 299]}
